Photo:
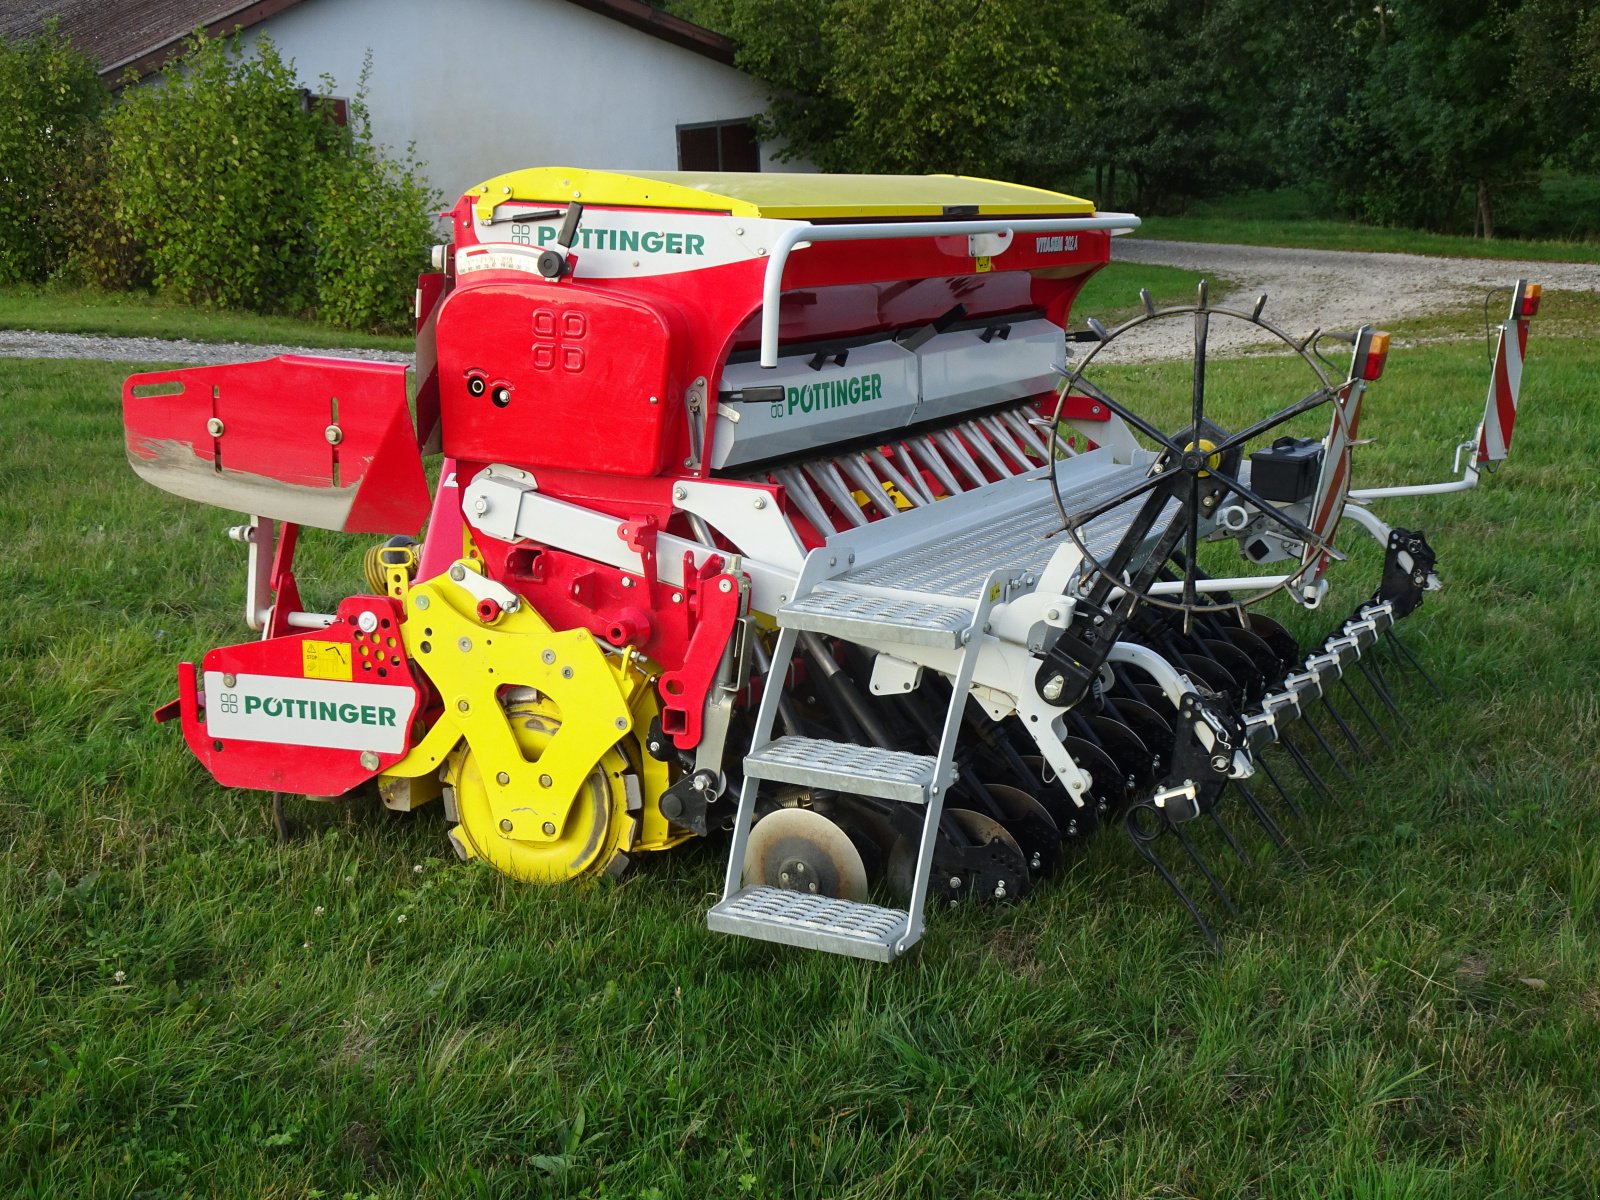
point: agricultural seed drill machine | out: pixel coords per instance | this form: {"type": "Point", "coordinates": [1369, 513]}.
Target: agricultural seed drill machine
{"type": "Point", "coordinates": [784, 505]}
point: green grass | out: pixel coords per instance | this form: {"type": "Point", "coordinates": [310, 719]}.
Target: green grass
{"type": "Point", "coordinates": [1112, 294]}
{"type": "Point", "coordinates": [1415, 1015]}
{"type": "Point", "coordinates": [1284, 218]}
{"type": "Point", "coordinates": [53, 310]}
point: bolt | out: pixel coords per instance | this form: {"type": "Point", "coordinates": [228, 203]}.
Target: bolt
{"type": "Point", "coordinates": [677, 597]}
{"type": "Point", "coordinates": [811, 887]}
{"type": "Point", "coordinates": [799, 868]}
{"type": "Point", "coordinates": [1052, 614]}
{"type": "Point", "coordinates": [566, 672]}
{"type": "Point", "coordinates": [680, 494]}
{"type": "Point", "coordinates": [621, 723]}
{"type": "Point", "coordinates": [760, 502]}
{"type": "Point", "coordinates": [464, 644]}
{"type": "Point", "coordinates": [549, 828]}
{"type": "Point", "coordinates": [955, 882]}
{"type": "Point", "coordinates": [369, 761]}
{"type": "Point", "coordinates": [1054, 686]}
{"type": "Point", "coordinates": [502, 779]}
{"type": "Point", "coordinates": [783, 877]}
{"type": "Point", "coordinates": [229, 680]}
{"type": "Point", "coordinates": [480, 506]}
{"type": "Point", "coordinates": [548, 657]}
{"type": "Point", "coordinates": [1072, 829]}
{"type": "Point", "coordinates": [215, 427]}
{"type": "Point", "coordinates": [463, 706]}
{"type": "Point", "coordinates": [1000, 890]}
{"type": "Point", "coordinates": [725, 585]}
{"type": "Point", "coordinates": [546, 781]}
{"type": "Point", "coordinates": [367, 622]}
{"type": "Point", "coordinates": [1219, 763]}
{"type": "Point", "coordinates": [1036, 861]}
{"type": "Point", "coordinates": [505, 826]}
{"type": "Point", "coordinates": [627, 581]}
{"type": "Point", "coordinates": [458, 572]}
{"type": "Point", "coordinates": [334, 434]}
{"type": "Point", "coordinates": [422, 602]}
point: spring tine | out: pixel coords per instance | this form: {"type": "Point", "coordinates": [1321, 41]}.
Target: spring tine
{"type": "Point", "coordinates": [1006, 440]}
{"type": "Point", "coordinates": [1147, 852]}
{"type": "Point", "coordinates": [957, 452]}
{"type": "Point", "coordinates": [1349, 734]}
{"type": "Point", "coordinates": [892, 474]}
{"type": "Point", "coordinates": [1018, 424]}
{"type": "Point", "coordinates": [1200, 865]}
{"type": "Point", "coordinates": [1277, 783]}
{"type": "Point", "coordinates": [799, 488]}
{"type": "Point", "coordinates": [1316, 733]}
{"type": "Point", "coordinates": [1396, 644]}
{"type": "Point", "coordinates": [1380, 689]}
{"type": "Point", "coordinates": [1264, 819]}
{"type": "Point", "coordinates": [922, 448]}
{"type": "Point", "coordinates": [860, 470]}
{"type": "Point", "coordinates": [913, 473]}
{"type": "Point", "coordinates": [826, 476]}
{"type": "Point", "coordinates": [1306, 768]}
{"type": "Point", "coordinates": [1367, 713]}
{"type": "Point", "coordinates": [978, 439]}
{"type": "Point", "coordinates": [1233, 842]}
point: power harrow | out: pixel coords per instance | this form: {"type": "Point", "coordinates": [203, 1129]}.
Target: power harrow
{"type": "Point", "coordinates": [784, 506]}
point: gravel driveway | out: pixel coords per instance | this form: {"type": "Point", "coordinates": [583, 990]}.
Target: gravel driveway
{"type": "Point", "coordinates": [1334, 289]}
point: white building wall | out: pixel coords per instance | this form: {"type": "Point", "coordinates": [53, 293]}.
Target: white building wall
{"type": "Point", "coordinates": [487, 86]}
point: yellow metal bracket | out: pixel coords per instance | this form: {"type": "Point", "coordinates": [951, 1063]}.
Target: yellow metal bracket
{"type": "Point", "coordinates": [471, 663]}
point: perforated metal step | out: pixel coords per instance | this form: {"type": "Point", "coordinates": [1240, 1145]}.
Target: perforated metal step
{"type": "Point", "coordinates": [844, 767]}
{"type": "Point", "coordinates": [858, 615]}
{"type": "Point", "coordinates": [813, 922]}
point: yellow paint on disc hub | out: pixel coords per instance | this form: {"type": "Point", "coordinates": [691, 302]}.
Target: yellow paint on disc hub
{"type": "Point", "coordinates": [1206, 446]}
{"type": "Point", "coordinates": [596, 823]}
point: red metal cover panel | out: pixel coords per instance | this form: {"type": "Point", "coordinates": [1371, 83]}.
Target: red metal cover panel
{"type": "Point", "coordinates": [557, 376]}
{"type": "Point", "coordinates": [325, 442]}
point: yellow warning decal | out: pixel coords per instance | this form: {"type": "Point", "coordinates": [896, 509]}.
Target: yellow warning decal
{"type": "Point", "coordinates": [325, 660]}
{"type": "Point", "coordinates": [982, 263]}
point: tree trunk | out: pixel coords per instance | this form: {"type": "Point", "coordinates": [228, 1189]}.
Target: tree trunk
{"type": "Point", "coordinates": [1111, 188]}
{"type": "Point", "coordinates": [1099, 192]}
{"type": "Point", "coordinates": [1485, 211]}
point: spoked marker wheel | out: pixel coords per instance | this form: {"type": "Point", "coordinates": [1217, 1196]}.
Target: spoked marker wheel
{"type": "Point", "coordinates": [1196, 468]}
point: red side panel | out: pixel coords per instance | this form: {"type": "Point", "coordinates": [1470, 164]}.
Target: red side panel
{"type": "Point", "coordinates": [557, 376]}
{"type": "Point", "coordinates": [315, 713]}
{"type": "Point", "coordinates": [325, 442]}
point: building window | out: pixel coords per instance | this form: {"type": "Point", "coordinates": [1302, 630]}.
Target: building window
{"type": "Point", "coordinates": [335, 110]}
{"type": "Point", "coordinates": [718, 146]}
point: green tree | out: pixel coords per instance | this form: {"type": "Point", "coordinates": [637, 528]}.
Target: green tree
{"type": "Point", "coordinates": [50, 95]}
{"type": "Point", "coordinates": [989, 87]}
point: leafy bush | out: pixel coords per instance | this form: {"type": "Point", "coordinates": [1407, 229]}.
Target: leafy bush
{"type": "Point", "coordinates": [51, 95]}
{"type": "Point", "coordinates": [370, 224]}
{"type": "Point", "coordinates": [244, 196]}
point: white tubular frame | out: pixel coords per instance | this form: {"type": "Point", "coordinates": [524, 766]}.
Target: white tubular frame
{"type": "Point", "coordinates": [795, 235]}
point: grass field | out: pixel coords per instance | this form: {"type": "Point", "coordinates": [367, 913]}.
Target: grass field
{"type": "Point", "coordinates": [115, 314]}
{"type": "Point", "coordinates": [1563, 227]}
{"type": "Point", "coordinates": [188, 1008]}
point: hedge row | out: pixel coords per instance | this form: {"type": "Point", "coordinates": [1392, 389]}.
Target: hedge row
{"type": "Point", "coordinates": [217, 184]}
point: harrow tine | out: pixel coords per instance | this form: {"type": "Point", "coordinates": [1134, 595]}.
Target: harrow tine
{"type": "Point", "coordinates": [1306, 768]}
{"type": "Point", "coordinates": [1146, 849]}
{"type": "Point", "coordinates": [1326, 748]}
{"type": "Point", "coordinates": [1367, 713]}
{"type": "Point", "coordinates": [1349, 734]}
{"type": "Point", "coordinates": [1272, 777]}
{"type": "Point", "coordinates": [1380, 688]}
{"type": "Point", "coordinates": [1395, 644]}
{"type": "Point", "coordinates": [1264, 819]}
{"type": "Point", "coordinates": [1227, 834]}
{"type": "Point", "coordinates": [1200, 865]}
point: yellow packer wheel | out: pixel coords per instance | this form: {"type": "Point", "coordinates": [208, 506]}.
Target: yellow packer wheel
{"type": "Point", "coordinates": [596, 825]}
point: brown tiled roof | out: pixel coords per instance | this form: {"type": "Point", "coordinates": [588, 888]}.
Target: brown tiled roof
{"type": "Point", "coordinates": [143, 35]}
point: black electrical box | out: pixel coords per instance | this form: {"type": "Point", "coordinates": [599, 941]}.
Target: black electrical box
{"type": "Point", "coordinates": [1287, 471]}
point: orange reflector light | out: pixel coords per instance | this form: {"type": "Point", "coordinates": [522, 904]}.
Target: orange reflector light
{"type": "Point", "coordinates": [1377, 354]}
{"type": "Point", "coordinates": [1530, 299]}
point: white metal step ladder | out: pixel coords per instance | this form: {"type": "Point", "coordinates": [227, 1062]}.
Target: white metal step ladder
{"type": "Point", "coordinates": [823, 922]}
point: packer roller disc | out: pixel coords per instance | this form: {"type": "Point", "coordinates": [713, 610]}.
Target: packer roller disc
{"type": "Point", "coordinates": [1125, 748]}
{"type": "Point", "coordinates": [799, 850]}
{"type": "Point", "coordinates": [991, 867]}
{"type": "Point", "coordinates": [1032, 825]}
{"type": "Point", "coordinates": [1279, 639]}
{"type": "Point", "coordinates": [1154, 730]}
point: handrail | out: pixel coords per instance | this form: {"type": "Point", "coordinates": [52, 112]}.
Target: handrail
{"type": "Point", "coordinates": [778, 256]}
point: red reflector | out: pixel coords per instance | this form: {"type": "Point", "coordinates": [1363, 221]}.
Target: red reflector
{"type": "Point", "coordinates": [1531, 298]}
{"type": "Point", "coordinates": [1377, 355]}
